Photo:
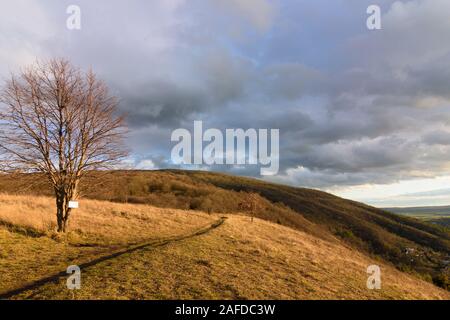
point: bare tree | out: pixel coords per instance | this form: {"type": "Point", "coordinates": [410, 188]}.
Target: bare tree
{"type": "Point", "coordinates": [60, 121]}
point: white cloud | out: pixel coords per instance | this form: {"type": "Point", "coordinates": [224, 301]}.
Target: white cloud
{"type": "Point", "coordinates": [146, 165]}
{"type": "Point", "coordinates": [260, 13]}
{"type": "Point", "coordinates": [25, 27]}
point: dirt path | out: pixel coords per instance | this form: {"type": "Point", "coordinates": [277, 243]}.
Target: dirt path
{"type": "Point", "coordinates": [149, 244]}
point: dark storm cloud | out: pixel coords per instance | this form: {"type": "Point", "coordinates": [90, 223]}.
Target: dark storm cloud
{"type": "Point", "coordinates": [165, 104]}
{"type": "Point", "coordinates": [210, 82]}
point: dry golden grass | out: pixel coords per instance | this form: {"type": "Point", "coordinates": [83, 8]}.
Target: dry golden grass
{"type": "Point", "coordinates": [244, 260]}
{"type": "Point", "coordinates": [30, 249]}
{"type": "Point", "coordinates": [238, 260]}
{"type": "Point", "coordinates": [100, 221]}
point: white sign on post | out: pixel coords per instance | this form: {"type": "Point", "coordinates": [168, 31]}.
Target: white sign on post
{"type": "Point", "coordinates": [73, 204]}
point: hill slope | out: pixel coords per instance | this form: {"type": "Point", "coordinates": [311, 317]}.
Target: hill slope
{"type": "Point", "coordinates": [186, 254]}
{"type": "Point", "coordinates": [364, 228]}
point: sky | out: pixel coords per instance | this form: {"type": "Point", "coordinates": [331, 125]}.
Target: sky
{"type": "Point", "coordinates": [364, 114]}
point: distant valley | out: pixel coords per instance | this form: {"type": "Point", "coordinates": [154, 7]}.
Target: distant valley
{"type": "Point", "coordinates": [439, 215]}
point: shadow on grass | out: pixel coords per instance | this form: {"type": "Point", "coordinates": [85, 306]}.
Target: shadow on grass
{"type": "Point", "coordinates": [26, 231]}
{"type": "Point", "coordinates": [152, 244]}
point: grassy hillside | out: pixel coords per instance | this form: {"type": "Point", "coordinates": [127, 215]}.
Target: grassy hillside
{"type": "Point", "coordinates": [130, 251]}
{"type": "Point", "coordinates": [370, 230]}
{"type": "Point", "coordinates": [30, 249]}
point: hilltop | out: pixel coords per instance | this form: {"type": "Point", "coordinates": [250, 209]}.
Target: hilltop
{"type": "Point", "coordinates": [411, 245]}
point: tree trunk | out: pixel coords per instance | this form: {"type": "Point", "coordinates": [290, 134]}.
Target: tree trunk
{"type": "Point", "coordinates": [62, 224]}
{"type": "Point", "coordinates": [62, 208]}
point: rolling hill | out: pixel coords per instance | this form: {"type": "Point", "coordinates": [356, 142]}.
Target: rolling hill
{"type": "Point", "coordinates": [416, 247]}
{"type": "Point", "coordinates": [130, 251]}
